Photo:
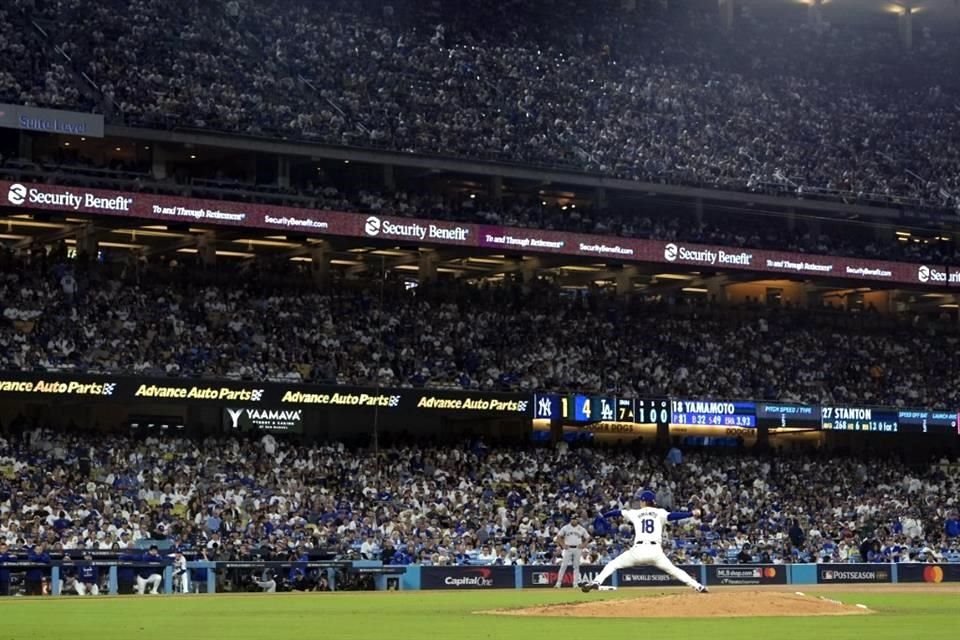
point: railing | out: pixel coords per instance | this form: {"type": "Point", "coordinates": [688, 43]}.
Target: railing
{"type": "Point", "coordinates": [119, 577]}
{"type": "Point", "coordinates": [483, 577]}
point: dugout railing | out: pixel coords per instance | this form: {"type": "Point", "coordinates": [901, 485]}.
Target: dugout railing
{"type": "Point", "coordinates": [217, 577]}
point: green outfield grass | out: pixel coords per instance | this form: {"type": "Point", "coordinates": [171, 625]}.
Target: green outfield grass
{"type": "Point", "coordinates": [442, 616]}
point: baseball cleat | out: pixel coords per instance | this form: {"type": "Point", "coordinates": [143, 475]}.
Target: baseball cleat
{"type": "Point", "coordinates": [587, 587]}
{"type": "Point", "coordinates": [702, 589]}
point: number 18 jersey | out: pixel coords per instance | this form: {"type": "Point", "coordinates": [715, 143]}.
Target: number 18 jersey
{"type": "Point", "coordinates": [647, 523]}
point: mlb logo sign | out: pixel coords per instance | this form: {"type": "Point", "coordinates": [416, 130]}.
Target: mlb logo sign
{"type": "Point", "coordinates": [828, 575]}
{"type": "Point", "coordinates": [757, 573]}
{"type": "Point", "coordinates": [541, 578]}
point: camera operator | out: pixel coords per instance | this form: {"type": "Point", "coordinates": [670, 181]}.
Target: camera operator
{"type": "Point", "coordinates": [267, 581]}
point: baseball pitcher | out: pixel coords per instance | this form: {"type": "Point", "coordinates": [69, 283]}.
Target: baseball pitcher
{"type": "Point", "coordinates": [647, 547]}
{"type": "Point", "coordinates": [570, 538]}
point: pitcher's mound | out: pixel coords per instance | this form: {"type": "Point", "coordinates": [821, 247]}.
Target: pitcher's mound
{"type": "Point", "coordinates": [732, 604]}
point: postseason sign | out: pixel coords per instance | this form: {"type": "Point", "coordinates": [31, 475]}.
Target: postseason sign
{"type": "Point", "coordinates": [713, 414]}
{"type": "Point", "coordinates": [853, 573]}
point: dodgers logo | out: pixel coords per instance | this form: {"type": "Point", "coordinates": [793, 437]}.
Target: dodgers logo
{"type": "Point", "coordinates": [670, 252]}
{"type": "Point", "coordinates": [372, 227]}
{"type": "Point", "coordinates": [17, 194]}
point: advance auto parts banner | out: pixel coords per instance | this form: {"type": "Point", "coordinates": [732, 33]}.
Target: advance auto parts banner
{"type": "Point", "coordinates": [265, 395]}
{"type": "Point", "coordinates": [746, 574]}
{"type": "Point", "coordinates": [647, 576]}
{"type": "Point", "coordinates": [932, 573]}
{"type": "Point", "coordinates": [26, 197]}
{"type": "Point", "coordinates": [853, 573]}
{"type": "Point", "coordinates": [467, 578]}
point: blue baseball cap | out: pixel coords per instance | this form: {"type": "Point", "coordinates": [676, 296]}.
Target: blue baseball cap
{"type": "Point", "coordinates": [647, 496]}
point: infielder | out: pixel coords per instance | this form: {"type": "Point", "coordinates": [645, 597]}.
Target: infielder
{"type": "Point", "coordinates": [647, 547]}
{"type": "Point", "coordinates": [570, 537]}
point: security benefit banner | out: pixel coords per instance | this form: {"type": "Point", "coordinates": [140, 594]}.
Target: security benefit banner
{"type": "Point", "coordinates": [262, 395]}
{"type": "Point", "coordinates": [546, 575]}
{"type": "Point", "coordinates": [645, 576]}
{"type": "Point", "coordinates": [467, 578]}
{"type": "Point", "coordinates": [746, 574]}
{"type": "Point", "coordinates": [932, 573]}
{"type": "Point", "coordinates": [853, 573]}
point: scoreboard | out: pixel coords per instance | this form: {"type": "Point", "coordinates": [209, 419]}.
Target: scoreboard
{"type": "Point", "coordinates": [846, 418]}
{"type": "Point", "coordinates": [589, 409]}
{"type": "Point", "coordinates": [595, 408]}
{"type": "Point", "coordinates": [924, 421]}
{"type": "Point", "coordinates": [783, 415]}
{"type": "Point", "coordinates": [713, 414]}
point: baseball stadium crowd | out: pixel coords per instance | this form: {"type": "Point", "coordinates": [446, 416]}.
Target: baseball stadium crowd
{"type": "Point", "coordinates": [633, 219]}
{"type": "Point", "coordinates": [808, 110]}
{"type": "Point", "coordinates": [174, 318]}
{"type": "Point", "coordinates": [224, 499]}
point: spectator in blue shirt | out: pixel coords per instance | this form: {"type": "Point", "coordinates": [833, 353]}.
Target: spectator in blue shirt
{"type": "Point", "coordinates": [404, 555]}
{"type": "Point", "coordinates": [952, 526]}
{"type": "Point", "coordinates": [674, 456]}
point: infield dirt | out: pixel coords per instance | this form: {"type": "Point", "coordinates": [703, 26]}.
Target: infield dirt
{"type": "Point", "coordinates": [726, 604]}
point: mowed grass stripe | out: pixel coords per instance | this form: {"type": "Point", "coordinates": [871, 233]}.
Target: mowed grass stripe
{"type": "Point", "coordinates": [443, 615]}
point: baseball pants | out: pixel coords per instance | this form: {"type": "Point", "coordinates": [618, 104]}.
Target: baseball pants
{"type": "Point", "coordinates": [153, 582]}
{"type": "Point", "coordinates": [646, 554]}
{"type": "Point", "coordinates": [84, 589]}
{"type": "Point", "coordinates": [570, 557]}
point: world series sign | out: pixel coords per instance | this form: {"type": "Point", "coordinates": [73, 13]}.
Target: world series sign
{"type": "Point", "coordinates": [644, 576]}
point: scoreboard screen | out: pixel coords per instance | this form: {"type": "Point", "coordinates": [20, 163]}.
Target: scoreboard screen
{"type": "Point", "coordinates": [652, 410]}
{"type": "Point", "coordinates": [713, 414]}
{"type": "Point", "coordinates": [860, 419]}
{"type": "Point", "coordinates": [576, 408]}
{"type": "Point", "coordinates": [588, 408]}
{"type": "Point", "coordinates": [925, 421]}
{"type": "Point", "coordinates": [780, 415]}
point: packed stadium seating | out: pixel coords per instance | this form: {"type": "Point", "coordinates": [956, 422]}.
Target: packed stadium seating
{"type": "Point", "coordinates": [786, 108]}
{"type": "Point", "coordinates": [928, 244]}
{"type": "Point", "coordinates": [172, 319]}
{"type": "Point", "coordinates": [467, 504]}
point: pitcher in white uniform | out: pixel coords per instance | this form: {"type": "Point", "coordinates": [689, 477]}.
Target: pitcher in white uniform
{"type": "Point", "coordinates": [570, 538]}
{"type": "Point", "coordinates": [647, 546]}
